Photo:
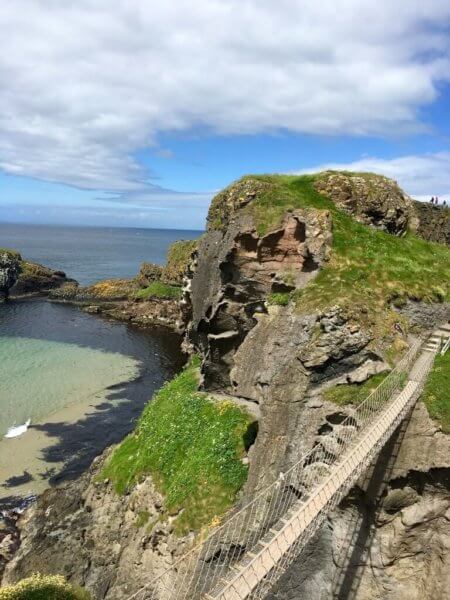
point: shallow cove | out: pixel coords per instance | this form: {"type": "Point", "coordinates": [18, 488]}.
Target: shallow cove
{"type": "Point", "coordinates": [82, 380]}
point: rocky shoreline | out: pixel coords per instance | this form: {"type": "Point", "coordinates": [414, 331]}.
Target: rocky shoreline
{"type": "Point", "coordinates": [120, 299]}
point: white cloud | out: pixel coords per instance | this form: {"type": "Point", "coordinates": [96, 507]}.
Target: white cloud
{"type": "Point", "coordinates": [85, 84]}
{"type": "Point", "coordinates": [421, 176]}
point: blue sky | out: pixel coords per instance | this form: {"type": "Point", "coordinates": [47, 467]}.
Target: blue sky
{"type": "Point", "coordinates": [136, 115]}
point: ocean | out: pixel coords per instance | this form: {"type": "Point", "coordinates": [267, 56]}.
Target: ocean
{"type": "Point", "coordinates": [88, 254]}
{"type": "Point", "coordinates": [82, 380]}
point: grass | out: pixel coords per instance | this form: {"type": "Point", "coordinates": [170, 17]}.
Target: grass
{"type": "Point", "coordinates": [158, 289]}
{"type": "Point", "coordinates": [191, 446]}
{"type": "Point", "coordinates": [43, 587]}
{"type": "Point", "coordinates": [142, 518]}
{"type": "Point", "coordinates": [368, 268]}
{"type": "Point", "coordinates": [279, 298]}
{"type": "Point", "coordinates": [353, 393]}
{"type": "Point", "coordinates": [437, 392]}
{"type": "Point", "coordinates": [178, 256]}
{"type": "Point", "coordinates": [12, 253]}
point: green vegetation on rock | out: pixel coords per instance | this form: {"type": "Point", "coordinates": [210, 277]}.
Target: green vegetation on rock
{"type": "Point", "coordinates": [368, 267]}
{"type": "Point", "coordinates": [43, 587]}
{"type": "Point", "coordinates": [111, 289]}
{"type": "Point", "coordinates": [437, 392]}
{"type": "Point", "coordinates": [159, 289]}
{"type": "Point", "coordinates": [178, 257]}
{"type": "Point", "coordinates": [191, 446]}
{"type": "Point", "coordinates": [353, 393]}
{"type": "Point", "coordinates": [279, 298]}
{"type": "Point", "coordinates": [11, 253]}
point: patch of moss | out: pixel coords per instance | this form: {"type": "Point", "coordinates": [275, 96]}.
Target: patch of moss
{"type": "Point", "coordinates": [436, 394]}
{"type": "Point", "coordinates": [43, 587]}
{"type": "Point", "coordinates": [353, 393]}
{"type": "Point", "coordinates": [191, 446]}
{"type": "Point", "coordinates": [159, 289]}
{"type": "Point", "coordinates": [279, 298]}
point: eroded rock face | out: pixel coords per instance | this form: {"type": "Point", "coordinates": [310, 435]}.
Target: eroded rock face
{"type": "Point", "coordinates": [432, 222]}
{"type": "Point", "coordinates": [111, 544]}
{"type": "Point", "coordinates": [9, 271]}
{"type": "Point", "coordinates": [371, 199]}
{"type": "Point", "coordinates": [235, 272]}
{"type": "Point", "coordinates": [283, 364]}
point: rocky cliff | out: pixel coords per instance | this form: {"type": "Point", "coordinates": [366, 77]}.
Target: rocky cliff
{"type": "Point", "coordinates": [300, 296]}
{"type": "Point", "coordinates": [10, 268]}
{"type": "Point", "coordinates": [433, 222]}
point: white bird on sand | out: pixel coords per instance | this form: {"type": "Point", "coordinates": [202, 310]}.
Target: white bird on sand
{"type": "Point", "coordinates": [16, 431]}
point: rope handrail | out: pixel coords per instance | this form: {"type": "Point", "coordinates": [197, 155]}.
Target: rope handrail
{"type": "Point", "coordinates": [210, 558]}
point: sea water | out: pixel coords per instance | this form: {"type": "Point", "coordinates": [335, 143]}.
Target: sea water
{"type": "Point", "coordinates": [81, 380]}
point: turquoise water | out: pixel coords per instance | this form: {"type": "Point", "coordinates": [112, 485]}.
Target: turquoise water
{"type": "Point", "coordinates": [40, 377]}
{"type": "Point", "coordinates": [81, 379]}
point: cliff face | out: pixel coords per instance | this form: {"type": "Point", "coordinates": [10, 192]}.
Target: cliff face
{"type": "Point", "coordinates": [433, 222]}
{"type": "Point", "coordinates": [236, 271]}
{"type": "Point", "coordinates": [264, 341]}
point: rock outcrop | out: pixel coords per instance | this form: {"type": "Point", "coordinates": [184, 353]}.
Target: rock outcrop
{"type": "Point", "coordinates": [10, 268]}
{"type": "Point", "coordinates": [371, 199]}
{"type": "Point", "coordinates": [432, 222]}
{"type": "Point", "coordinates": [36, 279]}
{"type": "Point", "coordinates": [96, 538]}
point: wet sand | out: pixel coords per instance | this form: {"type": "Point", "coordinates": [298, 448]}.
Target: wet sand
{"type": "Point", "coordinates": [24, 466]}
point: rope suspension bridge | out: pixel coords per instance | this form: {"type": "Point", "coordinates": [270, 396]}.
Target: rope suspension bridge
{"type": "Point", "coordinates": [246, 555]}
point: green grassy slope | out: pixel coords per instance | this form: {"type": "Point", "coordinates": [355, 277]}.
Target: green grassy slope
{"type": "Point", "coordinates": [437, 392]}
{"type": "Point", "coordinates": [43, 587]}
{"type": "Point", "coordinates": [191, 446]}
{"type": "Point", "coordinates": [158, 289]}
{"type": "Point", "coordinates": [368, 267]}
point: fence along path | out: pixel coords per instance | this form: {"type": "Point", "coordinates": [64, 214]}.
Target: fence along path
{"type": "Point", "coordinates": [256, 544]}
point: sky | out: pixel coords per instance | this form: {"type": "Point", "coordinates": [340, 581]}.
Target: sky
{"type": "Point", "coordinates": [135, 113]}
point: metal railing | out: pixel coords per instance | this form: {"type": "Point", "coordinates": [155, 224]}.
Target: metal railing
{"type": "Point", "coordinates": [213, 568]}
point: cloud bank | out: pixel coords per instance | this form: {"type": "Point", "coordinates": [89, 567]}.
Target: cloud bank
{"type": "Point", "coordinates": [87, 84]}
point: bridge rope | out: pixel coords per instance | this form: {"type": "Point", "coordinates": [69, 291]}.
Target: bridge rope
{"type": "Point", "coordinates": [244, 557]}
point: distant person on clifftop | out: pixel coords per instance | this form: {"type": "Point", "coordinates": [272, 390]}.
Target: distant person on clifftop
{"type": "Point", "coordinates": [432, 200]}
